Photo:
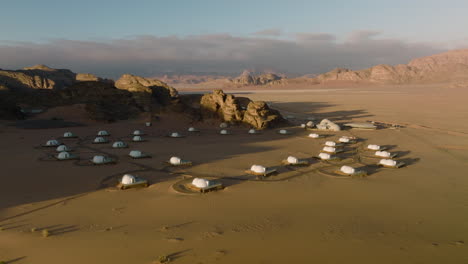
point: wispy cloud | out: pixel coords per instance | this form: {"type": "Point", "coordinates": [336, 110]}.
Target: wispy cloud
{"type": "Point", "coordinates": [222, 53]}
{"type": "Point", "coordinates": [272, 32]}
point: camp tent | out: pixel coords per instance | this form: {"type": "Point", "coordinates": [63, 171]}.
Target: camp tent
{"type": "Point", "coordinates": [103, 133]}
{"type": "Point", "coordinates": [119, 144]}
{"type": "Point", "coordinates": [62, 148]}
{"type": "Point", "coordinates": [52, 143]}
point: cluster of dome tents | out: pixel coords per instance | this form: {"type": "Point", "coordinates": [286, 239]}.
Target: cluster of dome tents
{"type": "Point", "coordinates": [329, 152]}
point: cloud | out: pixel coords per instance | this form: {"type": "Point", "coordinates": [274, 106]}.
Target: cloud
{"type": "Point", "coordinates": [272, 32]}
{"type": "Point", "coordinates": [219, 53]}
{"type": "Point", "coordinates": [315, 37]}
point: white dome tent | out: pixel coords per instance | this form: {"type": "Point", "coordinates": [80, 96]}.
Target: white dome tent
{"type": "Point", "coordinates": [192, 129]}
{"type": "Point", "coordinates": [350, 171]}
{"type": "Point", "coordinates": [128, 179]}
{"type": "Point", "coordinates": [374, 147]}
{"type": "Point", "coordinates": [138, 133]}
{"type": "Point", "coordinates": [137, 154]}
{"type": "Point", "coordinates": [132, 181]}
{"type": "Point", "coordinates": [223, 125]}
{"type": "Point", "coordinates": [259, 170]}
{"type": "Point", "coordinates": [291, 160]}
{"type": "Point", "coordinates": [69, 135]}
{"type": "Point", "coordinates": [52, 143]}
{"type": "Point", "coordinates": [101, 160]}
{"type": "Point", "coordinates": [103, 133]}
{"type": "Point", "coordinates": [330, 149]}
{"type": "Point", "coordinates": [384, 154]}
{"type": "Point", "coordinates": [200, 183]}
{"type": "Point", "coordinates": [176, 161]}
{"type": "Point", "coordinates": [100, 140]}
{"type": "Point", "coordinates": [314, 135]}
{"type": "Point", "coordinates": [347, 139]}
{"type": "Point", "coordinates": [252, 131]}
{"type": "Point", "coordinates": [138, 139]}
{"type": "Point", "coordinates": [62, 148]}
{"type": "Point", "coordinates": [324, 156]}
{"type": "Point", "coordinates": [204, 185]}
{"type": "Point", "coordinates": [389, 163]}
{"type": "Point", "coordinates": [66, 156]}
{"type": "Point", "coordinates": [224, 132]}
{"type": "Point", "coordinates": [284, 132]}
{"type": "Point", "coordinates": [119, 144]}
{"type": "Point", "coordinates": [331, 144]}
{"type": "Point", "coordinates": [175, 135]}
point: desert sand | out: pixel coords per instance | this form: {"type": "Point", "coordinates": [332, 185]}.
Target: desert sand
{"type": "Point", "coordinates": [415, 214]}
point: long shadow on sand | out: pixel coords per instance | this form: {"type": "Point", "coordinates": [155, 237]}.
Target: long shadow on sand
{"type": "Point", "coordinates": [87, 179]}
{"type": "Point", "coordinates": [318, 110]}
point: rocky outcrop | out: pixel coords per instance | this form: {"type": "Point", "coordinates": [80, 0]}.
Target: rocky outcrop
{"type": "Point", "coordinates": [219, 104]}
{"type": "Point", "coordinates": [146, 91]}
{"type": "Point", "coordinates": [228, 108]}
{"type": "Point", "coordinates": [87, 77]}
{"type": "Point", "coordinates": [247, 78]}
{"type": "Point", "coordinates": [446, 67]}
{"type": "Point", "coordinates": [260, 116]}
{"type": "Point", "coordinates": [43, 77]}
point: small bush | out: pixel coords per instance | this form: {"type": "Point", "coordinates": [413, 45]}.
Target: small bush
{"type": "Point", "coordinates": [45, 233]}
{"type": "Point", "coordinates": [164, 259]}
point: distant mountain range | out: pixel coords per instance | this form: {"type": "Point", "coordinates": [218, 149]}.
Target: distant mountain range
{"type": "Point", "coordinates": [450, 66]}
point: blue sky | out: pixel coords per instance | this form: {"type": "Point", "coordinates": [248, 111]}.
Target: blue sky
{"type": "Point", "coordinates": [150, 37]}
{"type": "Point", "coordinates": [416, 20]}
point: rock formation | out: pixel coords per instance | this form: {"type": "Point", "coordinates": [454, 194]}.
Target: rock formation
{"type": "Point", "coordinates": [247, 78]}
{"type": "Point", "coordinates": [43, 77]}
{"type": "Point", "coordinates": [326, 124]}
{"type": "Point", "coordinates": [146, 91]}
{"type": "Point", "coordinates": [228, 108]}
{"type": "Point", "coordinates": [222, 105]}
{"type": "Point", "coordinates": [260, 116]}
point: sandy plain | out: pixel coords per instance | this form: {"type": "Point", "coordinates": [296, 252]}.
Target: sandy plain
{"type": "Point", "coordinates": [416, 214]}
